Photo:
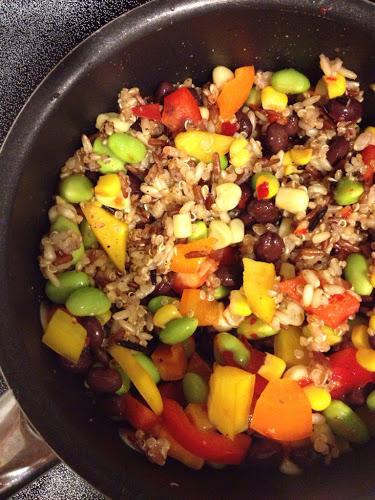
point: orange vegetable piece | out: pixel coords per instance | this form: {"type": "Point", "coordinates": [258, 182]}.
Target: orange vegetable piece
{"type": "Point", "coordinates": [182, 263]}
{"type": "Point", "coordinates": [170, 360]}
{"type": "Point", "coordinates": [206, 311]}
{"type": "Point", "coordinates": [199, 366]}
{"type": "Point", "coordinates": [235, 92]}
{"type": "Point", "coordinates": [283, 412]}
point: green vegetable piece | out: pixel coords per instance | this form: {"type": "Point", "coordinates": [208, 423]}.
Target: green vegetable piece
{"type": "Point", "coordinates": [126, 147]}
{"type": "Point", "coordinates": [347, 192]}
{"type": "Point", "coordinates": [69, 282]}
{"type": "Point", "coordinates": [200, 231]}
{"type": "Point", "coordinates": [157, 302]}
{"type": "Point", "coordinates": [88, 301]}
{"type": "Point", "coordinates": [225, 342]}
{"type": "Point", "coordinates": [356, 272]}
{"type": "Point", "coordinates": [273, 184]}
{"type": "Point", "coordinates": [125, 381]}
{"type": "Point", "coordinates": [88, 236]}
{"type": "Point", "coordinates": [255, 328]}
{"type": "Point", "coordinates": [148, 365]}
{"type": "Point", "coordinates": [290, 81]}
{"type": "Point", "coordinates": [76, 188]}
{"type": "Point", "coordinates": [221, 292]}
{"type": "Point", "coordinates": [195, 388]}
{"type": "Point", "coordinates": [100, 148]}
{"type": "Point", "coordinates": [345, 423]}
{"type": "Point", "coordinates": [254, 97]}
{"type": "Point", "coordinates": [111, 165]}
{"type": "Point", "coordinates": [223, 162]}
{"type": "Point", "coordinates": [178, 330]}
{"type": "Point", "coordinates": [63, 224]}
{"type": "Point", "coordinates": [370, 401]}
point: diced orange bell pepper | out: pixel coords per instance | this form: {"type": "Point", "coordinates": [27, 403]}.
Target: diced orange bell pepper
{"type": "Point", "coordinates": [283, 412]}
{"type": "Point", "coordinates": [206, 311]}
{"type": "Point", "coordinates": [170, 360]}
{"type": "Point", "coordinates": [200, 249]}
{"type": "Point", "coordinates": [337, 311]}
{"type": "Point", "coordinates": [136, 413]}
{"type": "Point", "coordinates": [199, 366]}
{"type": "Point", "coordinates": [293, 287]}
{"type": "Point", "coordinates": [235, 92]}
{"type": "Point", "coordinates": [181, 281]}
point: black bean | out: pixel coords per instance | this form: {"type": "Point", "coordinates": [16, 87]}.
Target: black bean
{"type": "Point", "coordinates": [371, 234]}
{"type": "Point", "coordinates": [269, 247]}
{"type": "Point", "coordinates": [276, 138]}
{"type": "Point", "coordinates": [105, 380]}
{"type": "Point", "coordinates": [338, 149]}
{"type": "Point", "coordinates": [316, 218]}
{"type": "Point", "coordinates": [291, 127]}
{"type": "Point", "coordinates": [94, 331]}
{"type": "Point", "coordinates": [82, 366]}
{"type": "Point", "coordinates": [344, 109]}
{"type": "Point", "coordinates": [244, 123]}
{"type": "Point", "coordinates": [194, 92]}
{"type": "Point", "coordinates": [163, 89]}
{"type": "Point", "coordinates": [263, 211]}
{"type": "Point", "coordinates": [165, 285]}
{"type": "Point", "coordinates": [135, 183]}
{"type": "Point", "coordinates": [92, 176]}
{"type": "Point", "coordinates": [304, 456]}
{"type": "Point", "coordinates": [102, 356]}
{"type": "Point", "coordinates": [245, 196]}
{"type": "Point", "coordinates": [247, 219]}
{"type": "Point", "coordinates": [356, 397]}
{"type": "Point", "coordinates": [265, 453]}
{"type": "Point", "coordinates": [230, 276]}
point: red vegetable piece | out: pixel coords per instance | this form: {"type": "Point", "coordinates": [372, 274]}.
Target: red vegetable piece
{"type": "Point", "coordinates": [228, 128]}
{"type": "Point", "coordinates": [368, 156]}
{"type": "Point", "coordinates": [173, 390]}
{"type": "Point", "coordinates": [337, 311]}
{"type": "Point", "coordinates": [150, 111]}
{"type": "Point", "coordinates": [136, 413]}
{"type": "Point", "coordinates": [180, 106]}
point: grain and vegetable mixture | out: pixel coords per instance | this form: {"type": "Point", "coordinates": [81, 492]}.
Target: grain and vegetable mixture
{"type": "Point", "coordinates": [210, 268]}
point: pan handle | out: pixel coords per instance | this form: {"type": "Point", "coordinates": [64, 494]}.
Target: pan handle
{"type": "Point", "coordinates": [23, 453]}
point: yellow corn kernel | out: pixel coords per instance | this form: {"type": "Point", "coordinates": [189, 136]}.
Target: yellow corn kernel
{"type": "Point", "coordinates": [237, 145]}
{"type": "Point", "coordinates": [198, 416]}
{"type": "Point", "coordinates": [371, 323]}
{"type": "Point", "coordinates": [372, 279]}
{"type": "Point", "coordinates": [182, 226]}
{"type": "Point", "coordinates": [274, 100]}
{"type": "Point", "coordinates": [318, 397]}
{"type": "Point", "coordinates": [104, 318]}
{"type": "Point", "coordinates": [360, 337]}
{"type": "Point", "coordinates": [301, 156]}
{"type": "Point", "coordinates": [238, 303]}
{"type": "Point", "coordinates": [336, 85]}
{"type": "Point", "coordinates": [366, 358]}
{"type": "Point", "coordinates": [221, 232]}
{"type": "Point", "coordinates": [332, 337]}
{"type": "Point", "coordinates": [118, 123]}
{"type": "Point", "coordinates": [272, 368]}
{"type": "Point", "coordinates": [371, 130]}
{"type": "Point", "coordinates": [165, 314]}
{"type": "Point", "coordinates": [238, 152]}
{"type": "Point", "coordinates": [108, 185]}
{"type": "Point", "coordinates": [228, 196]}
{"type": "Point", "coordinates": [287, 159]}
{"type": "Point", "coordinates": [221, 75]}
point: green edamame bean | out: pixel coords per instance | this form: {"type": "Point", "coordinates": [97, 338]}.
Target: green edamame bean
{"type": "Point", "coordinates": [157, 302]}
{"type": "Point", "coordinates": [100, 148]}
{"type": "Point", "coordinates": [356, 272]}
{"type": "Point", "coordinates": [195, 388]}
{"type": "Point", "coordinates": [370, 401]}
{"type": "Point", "coordinates": [221, 292]}
{"type": "Point", "coordinates": [88, 236]}
{"type": "Point", "coordinates": [225, 342]}
{"type": "Point", "coordinates": [148, 365]}
{"type": "Point", "coordinates": [127, 148]}
{"type": "Point", "coordinates": [76, 188]}
{"type": "Point", "coordinates": [347, 192]}
{"type": "Point", "coordinates": [69, 282]}
{"type": "Point", "coordinates": [63, 224]}
{"type": "Point", "coordinates": [178, 330]}
{"type": "Point", "coordinates": [290, 81]}
{"type": "Point", "coordinates": [200, 231]}
{"type": "Point", "coordinates": [345, 423]}
{"type": "Point", "coordinates": [125, 381]}
{"type": "Point", "coordinates": [223, 162]}
{"type": "Point", "coordinates": [255, 328]}
{"type": "Point", "coordinates": [108, 165]}
{"type": "Point", "coordinates": [254, 97]}
{"type": "Point", "coordinates": [87, 301]}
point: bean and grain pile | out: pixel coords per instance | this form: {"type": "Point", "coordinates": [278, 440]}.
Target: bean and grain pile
{"type": "Point", "coordinates": [210, 268]}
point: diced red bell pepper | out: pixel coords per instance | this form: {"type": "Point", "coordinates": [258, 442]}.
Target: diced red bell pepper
{"type": "Point", "coordinates": [228, 128]}
{"type": "Point", "coordinates": [368, 156]}
{"type": "Point", "coordinates": [180, 106]}
{"type": "Point", "coordinates": [150, 111]}
{"type": "Point", "coordinates": [347, 373]}
{"type": "Point", "coordinates": [208, 445]}
{"type": "Point", "coordinates": [173, 390]}
{"type": "Point", "coordinates": [292, 287]}
{"type": "Point", "coordinates": [136, 413]}
{"type": "Point", "coordinates": [338, 309]}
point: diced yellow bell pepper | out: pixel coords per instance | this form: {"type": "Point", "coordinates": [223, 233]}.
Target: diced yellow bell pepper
{"type": "Point", "coordinates": [371, 322]}
{"type": "Point", "coordinates": [198, 416]}
{"type": "Point", "coordinates": [332, 337]}
{"type": "Point", "coordinates": [366, 358]}
{"type": "Point", "coordinates": [258, 280]}
{"type": "Point", "coordinates": [203, 145]}
{"type": "Point", "coordinates": [371, 130]}
{"type": "Point", "coordinates": [287, 344]}
{"type": "Point", "coordinates": [359, 337]}
{"type": "Point", "coordinates": [229, 400]}
{"type": "Point", "coordinates": [272, 99]}
{"type": "Point", "coordinates": [111, 232]}
{"type": "Point", "coordinates": [272, 368]}
{"type": "Point", "coordinates": [238, 303]}
{"type": "Point", "coordinates": [336, 85]}
{"type": "Point", "coordinates": [65, 335]}
{"type": "Point", "coordinates": [138, 375]}
{"type": "Point", "coordinates": [108, 192]}
{"type": "Point", "coordinates": [301, 156]}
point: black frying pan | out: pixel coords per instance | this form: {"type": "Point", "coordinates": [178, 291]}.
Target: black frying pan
{"type": "Point", "coordinates": [162, 40]}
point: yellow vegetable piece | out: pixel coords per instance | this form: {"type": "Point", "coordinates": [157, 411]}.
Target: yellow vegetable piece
{"type": "Point", "coordinates": [258, 280]}
{"type": "Point", "coordinates": [108, 192]}
{"type": "Point", "coordinates": [372, 279]}
{"type": "Point", "coordinates": [287, 159]}
{"type": "Point", "coordinates": [332, 337]}
{"type": "Point", "coordinates": [239, 153]}
{"type": "Point", "coordinates": [287, 346]}
{"type": "Point", "coordinates": [229, 400]}
{"type": "Point", "coordinates": [65, 335]}
{"type": "Point", "coordinates": [198, 416]}
{"type": "Point", "coordinates": [371, 130]}
{"type": "Point", "coordinates": [301, 156]}
{"type": "Point", "coordinates": [138, 375]}
{"type": "Point", "coordinates": [272, 99]}
{"type": "Point", "coordinates": [366, 358]}
{"type": "Point", "coordinates": [272, 368]}
{"type": "Point", "coordinates": [203, 145]}
{"type": "Point", "coordinates": [318, 397]}
{"type": "Point", "coordinates": [165, 314]}
{"type": "Point", "coordinates": [111, 233]}
{"type": "Point", "coordinates": [371, 323]}
{"type": "Point", "coordinates": [104, 318]}
{"type": "Point", "coordinates": [360, 337]}
{"type": "Point", "coordinates": [238, 303]}
{"type": "Point", "coordinates": [336, 85]}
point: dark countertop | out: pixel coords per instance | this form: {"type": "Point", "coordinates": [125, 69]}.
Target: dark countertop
{"type": "Point", "coordinates": [34, 36]}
